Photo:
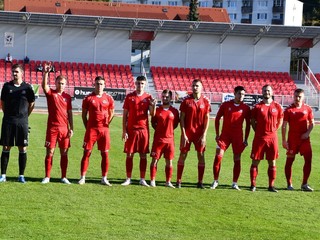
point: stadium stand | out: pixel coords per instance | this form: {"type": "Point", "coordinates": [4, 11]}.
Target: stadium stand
{"type": "Point", "coordinates": [78, 74]}
{"type": "Point", "coordinates": [221, 81]}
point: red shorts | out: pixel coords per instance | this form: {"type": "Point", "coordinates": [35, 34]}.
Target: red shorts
{"type": "Point", "coordinates": [236, 140]}
{"type": "Point", "coordinates": [302, 146]}
{"type": "Point", "coordinates": [195, 139]}
{"type": "Point", "coordinates": [99, 135]}
{"type": "Point", "coordinates": [269, 147]}
{"type": "Point", "coordinates": [159, 148]}
{"type": "Point", "coordinates": [57, 134]}
{"type": "Point", "coordinates": [138, 141]}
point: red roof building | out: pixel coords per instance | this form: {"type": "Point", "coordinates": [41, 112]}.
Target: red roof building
{"type": "Point", "coordinates": [110, 9]}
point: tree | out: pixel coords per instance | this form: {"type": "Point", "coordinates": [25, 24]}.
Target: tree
{"type": "Point", "coordinates": [311, 12]}
{"type": "Point", "coordinates": [193, 11]}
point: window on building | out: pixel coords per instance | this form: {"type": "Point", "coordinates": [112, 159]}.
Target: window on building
{"type": "Point", "coordinates": [233, 16]}
{"type": "Point", "coordinates": [278, 3]}
{"type": "Point", "coordinates": [217, 3]}
{"type": "Point", "coordinates": [203, 4]}
{"type": "Point", "coordinates": [156, 2]}
{"type": "Point", "coordinates": [247, 3]}
{"type": "Point", "coordinates": [262, 16]}
{"type": "Point", "coordinates": [173, 3]}
{"type": "Point", "coordinates": [232, 4]}
{"type": "Point", "coordinates": [263, 3]}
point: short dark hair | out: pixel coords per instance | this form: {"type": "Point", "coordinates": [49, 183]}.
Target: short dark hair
{"type": "Point", "coordinates": [165, 91]}
{"type": "Point", "coordinates": [141, 78]}
{"type": "Point", "coordinates": [239, 88]}
{"type": "Point", "coordinates": [98, 78]}
{"type": "Point", "coordinates": [17, 65]}
{"type": "Point", "coordinates": [267, 85]}
{"type": "Point", "coordinates": [197, 80]}
{"type": "Point", "coordinates": [299, 90]}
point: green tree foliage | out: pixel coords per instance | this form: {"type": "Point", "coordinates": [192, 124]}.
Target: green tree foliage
{"type": "Point", "coordinates": [311, 12]}
{"type": "Point", "coordinates": [193, 11]}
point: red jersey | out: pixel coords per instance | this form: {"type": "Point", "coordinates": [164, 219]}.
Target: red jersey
{"type": "Point", "coordinates": [166, 120]}
{"type": "Point", "coordinates": [267, 118]}
{"type": "Point", "coordinates": [195, 112]}
{"type": "Point", "coordinates": [298, 119]}
{"type": "Point", "coordinates": [58, 107]}
{"type": "Point", "coordinates": [233, 116]}
{"type": "Point", "coordinates": [98, 108]}
{"type": "Point", "coordinates": [137, 107]}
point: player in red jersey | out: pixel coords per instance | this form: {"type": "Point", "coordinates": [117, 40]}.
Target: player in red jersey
{"type": "Point", "coordinates": [100, 107]}
{"type": "Point", "coordinates": [299, 117]}
{"type": "Point", "coordinates": [135, 128]}
{"type": "Point", "coordinates": [194, 122]}
{"type": "Point", "coordinates": [234, 113]}
{"type": "Point", "coordinates": [164, 122]}
{"type": "Point", "coordinates": [266, 118]}
{"type": "Point", "coordinates": [59, 125]}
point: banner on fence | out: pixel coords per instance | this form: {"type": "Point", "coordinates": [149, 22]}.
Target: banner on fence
{"type": "Point", "coordinates": [116, 93]}
{"type": "Point", "coordinates": [250, 99]}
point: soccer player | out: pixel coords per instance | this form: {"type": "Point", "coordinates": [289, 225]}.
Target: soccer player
{"type": "Point", "coordinates": [234, 113]}
{"type": "Point", "coordinates": [299, 117]}
{"type": "Point", "coordinates": [135, 128]}
{"type": "Point", "coordinates": [100, 107]}
{"type": "Point", "coordinates": [194, 123]}
{"type": "Point", "coordinates": [59, 125]}
{"type": "Point", "coordinates": [266, 118]}
{"type": "Point", "coordinates": [164, 123]}
{"type": "Point", "coordinates": [17, 99]}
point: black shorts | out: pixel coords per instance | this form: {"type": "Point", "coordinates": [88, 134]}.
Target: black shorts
{"type": "Point", "coordinates": [14, 134]}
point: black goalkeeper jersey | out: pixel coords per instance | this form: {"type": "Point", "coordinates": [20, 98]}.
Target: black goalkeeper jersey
{"type": "Point", "coordinates": [16, 101]}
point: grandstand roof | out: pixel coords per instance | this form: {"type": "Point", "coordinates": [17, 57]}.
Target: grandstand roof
{"type": "Point", "coordinates": [111, 9]}
{"type": "Point", "coordinates": [134, 25]}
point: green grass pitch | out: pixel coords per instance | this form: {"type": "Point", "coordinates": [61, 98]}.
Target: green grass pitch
{"type": "Point", "coordinates": [93, 211]}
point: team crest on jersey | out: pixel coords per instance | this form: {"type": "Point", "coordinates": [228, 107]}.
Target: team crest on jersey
{"type": "Point", "coordinates": [23, 92]}
{"type": "Point", "coordinates": [201, 106]}
{"type": "Point", "coordinates": [10, 91]}
{"type": "Point", "coordinates": [274, 110]}
{"type": "Point", "coordinates": [305, 112]}
{"type": "Point", "coordinates": [240, 111]}
{"type": "Point", "coordinates": [229, 109]}
{"type": "Point", "coordinates": [171, 115]}
{"type": "Point", "coordinates": [104, 101]}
